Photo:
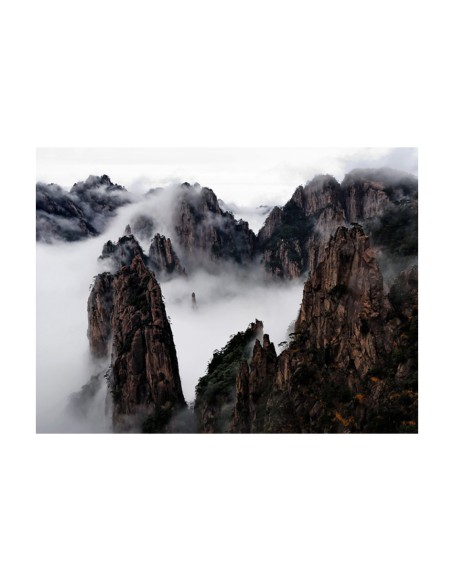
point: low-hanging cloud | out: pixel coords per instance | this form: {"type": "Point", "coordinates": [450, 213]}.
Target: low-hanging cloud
{"type": "Point", "coordinates": [227, 301]}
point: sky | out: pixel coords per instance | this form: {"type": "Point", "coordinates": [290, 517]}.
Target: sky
{"type": "Point", "coordinates": [226, 304]}
{"type": "Point", "coordinates": [245, 179]}
{"type": "Point", "coordinates": [241, 176]}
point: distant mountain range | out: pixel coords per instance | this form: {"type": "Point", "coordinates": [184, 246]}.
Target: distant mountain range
{"type": "Point", "coordinates": [351, 361]}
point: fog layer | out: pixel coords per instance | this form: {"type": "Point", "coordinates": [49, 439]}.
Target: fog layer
{"type": "Point", "coordinates": [226, 304]}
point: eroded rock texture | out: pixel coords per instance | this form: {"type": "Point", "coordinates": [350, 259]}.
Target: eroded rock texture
{"type": "Point", "coordinates": [216, 390]}
{"type": "Point", "coordinates": [351, 365]}
{"type": "Point", "coordinates": [82, 212]}
{"type": "Point", "coordinates": [206, 234]}
{"type": "Point", "coordinates": [127, 310]}
{"type": "Point", "coordinates": [293, 238]}
{"type": "Point", "coordinates": [163, 258]}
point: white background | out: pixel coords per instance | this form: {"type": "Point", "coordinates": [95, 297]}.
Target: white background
{"type": "Point", "coordinates": [224, 508]}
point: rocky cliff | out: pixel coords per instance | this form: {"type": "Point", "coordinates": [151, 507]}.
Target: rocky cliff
{"type": "Point", "coordinates": [344, 307]}
{"type": "Point", "coordinates": [83, 211]}
{"type": "Point", "coordinates": [99, 307]}
{"type": "Point", "coordinates": [293, 239]}
{"type": "Point", "coordinates": [352, 363]}
{"type": "Point", "coordinates": [254, 385]}
{"type": "Point", "coordinates": [127, 310]}
{"type": "Point", "coordinates": [163, 258]}
{"type": "Point", "coordinates": [339, 373]}
{"type": "Point", "coordinates": [120, 254]}
{"type": "Point", "coordinates": [370, 192]}
{"type": "Point", "coordinates": [216, 390]}
{"type": "Point", "coordinates": [206, 234]}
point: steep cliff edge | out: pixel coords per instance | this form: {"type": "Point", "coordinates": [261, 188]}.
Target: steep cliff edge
{"type": "Point", "coordinates": [384, 201]}
{"type": "Point", "coordinates": [292, 238]}
{"type": "Point", "coordinates": [127, 310]}
{"type": "Point", "coordinates": [120, 254]}
{"type": "Point", "coordinates": [339, 374]}
{"type": "Point", "coordinates": [370, 192]}
{"type": "Point", "coordinates": [343, 307]}
{"type": "Point", "coordinates": [207, 234]}
{"type": "Point", "coordinates": [216, 390]}
{"type": "Point", "coordinates": [253, 388]}
{"type": "Point", "coordinates": [162, 257]}
{"type": "Point", "coordinates": [82, 212]}
{"type": "Point", "coordinates": [99, 307]}
{"type": "Point", "coordinates": [351, 365]}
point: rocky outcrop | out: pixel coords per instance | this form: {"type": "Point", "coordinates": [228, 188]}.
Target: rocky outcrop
{"type": "Point", "coordinates": [253, 388]}
{"type": "Point", "coordinates": [339, 372]}
{"type": "Point", "coordinates": [352, 363]}
{"type": "Point", "coordinates": [241, 420]}
{"type": "Point", "coordinates": [293, 239]}
{"type": "Point", "coordinates": [100, 305]}
{"type": "Point", "coordinates": [370, 192]}
{"type": "Point", "coordinates": [206, 234]}
{"type": "Point", "coordinates": [286, 259]}
{"type": "Point", "coordinates": [120, 254]}
{"type": "Point", "coordinates": [319, 193]}
{"type": "Point", "coordinates": [81, 402]}
{"type": "Point", "coordinates": [326, 223]}
{"type": "Point", "coordinates": [82, 212]}
{"type": "Point", "coordinates": [344, 307]}
{"type": "Point", "coordinates": [162, 257]}
{"type": "Point", "coordinates": [272, 223]}
{"type": "Point", "coordinates": [59, 217]}
{"type": "Point", "coordinates": [144, 379]}
{"type": "Point", "coordinates": [216, 390]}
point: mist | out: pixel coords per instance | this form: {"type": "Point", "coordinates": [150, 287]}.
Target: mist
{"type": "Point", "coordinates": [226, 302]}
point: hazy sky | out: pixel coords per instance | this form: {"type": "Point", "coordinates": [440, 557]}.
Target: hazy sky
{"type": "Point", "coordinates": [244, 176]}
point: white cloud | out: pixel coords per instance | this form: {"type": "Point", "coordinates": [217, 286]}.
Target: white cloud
{"type": "Point", "coordinates": [244, 176]}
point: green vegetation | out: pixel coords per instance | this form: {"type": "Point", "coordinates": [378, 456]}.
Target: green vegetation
{"type": "Point", "coordinates": [295, 226]}
{"type": "Point", "coordinates": [290, 237]}
{"type": "Point", "coordinates": [158, 420]}
{"type": "Point", "coordinates": [218, 384]}
{"type": "Point", "coordinates": [396, 231]}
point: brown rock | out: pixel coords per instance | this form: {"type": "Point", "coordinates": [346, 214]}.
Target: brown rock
{"type": "Point", "coordinates": [145, 376]}
{"type": "Point", "coordinates": [163, 258]}
{"type": "Point", "coordinates": [100, 304]}
{"type": "Point", "coordinates": [127, 309]}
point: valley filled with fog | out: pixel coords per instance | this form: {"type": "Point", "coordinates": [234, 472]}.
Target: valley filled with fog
{"type": "Point", "coordinates": [227, 301]}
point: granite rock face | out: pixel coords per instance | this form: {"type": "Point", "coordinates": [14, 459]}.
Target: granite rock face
{"type": "Point", "coordinates": [351, 365]}
{"type": "Point", "coordinates": [253, 387]}
{"type": "Point", "coordinates": [163, 258]}
{"type": "Point", "coordinates": [340, 373]}
{"type": "Point", "coordinates": [206, 234]}
{"type": "Point", "coordinates": [82, 212]}
{"type": "Point", "coordinates": [343, 306]}
{"type": "Point", "coordinates": [369, 193]}
{"type": "Point", "coordinates": [99, 307]}
{"type": "Point", "coordinates": [121, 254]}
{"type": "Point", "coordinates": [127, 310]}
{"type": "Point", "coordinates": [216, 390]}
{"type": "Point", "coordinates": [293, 238]}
